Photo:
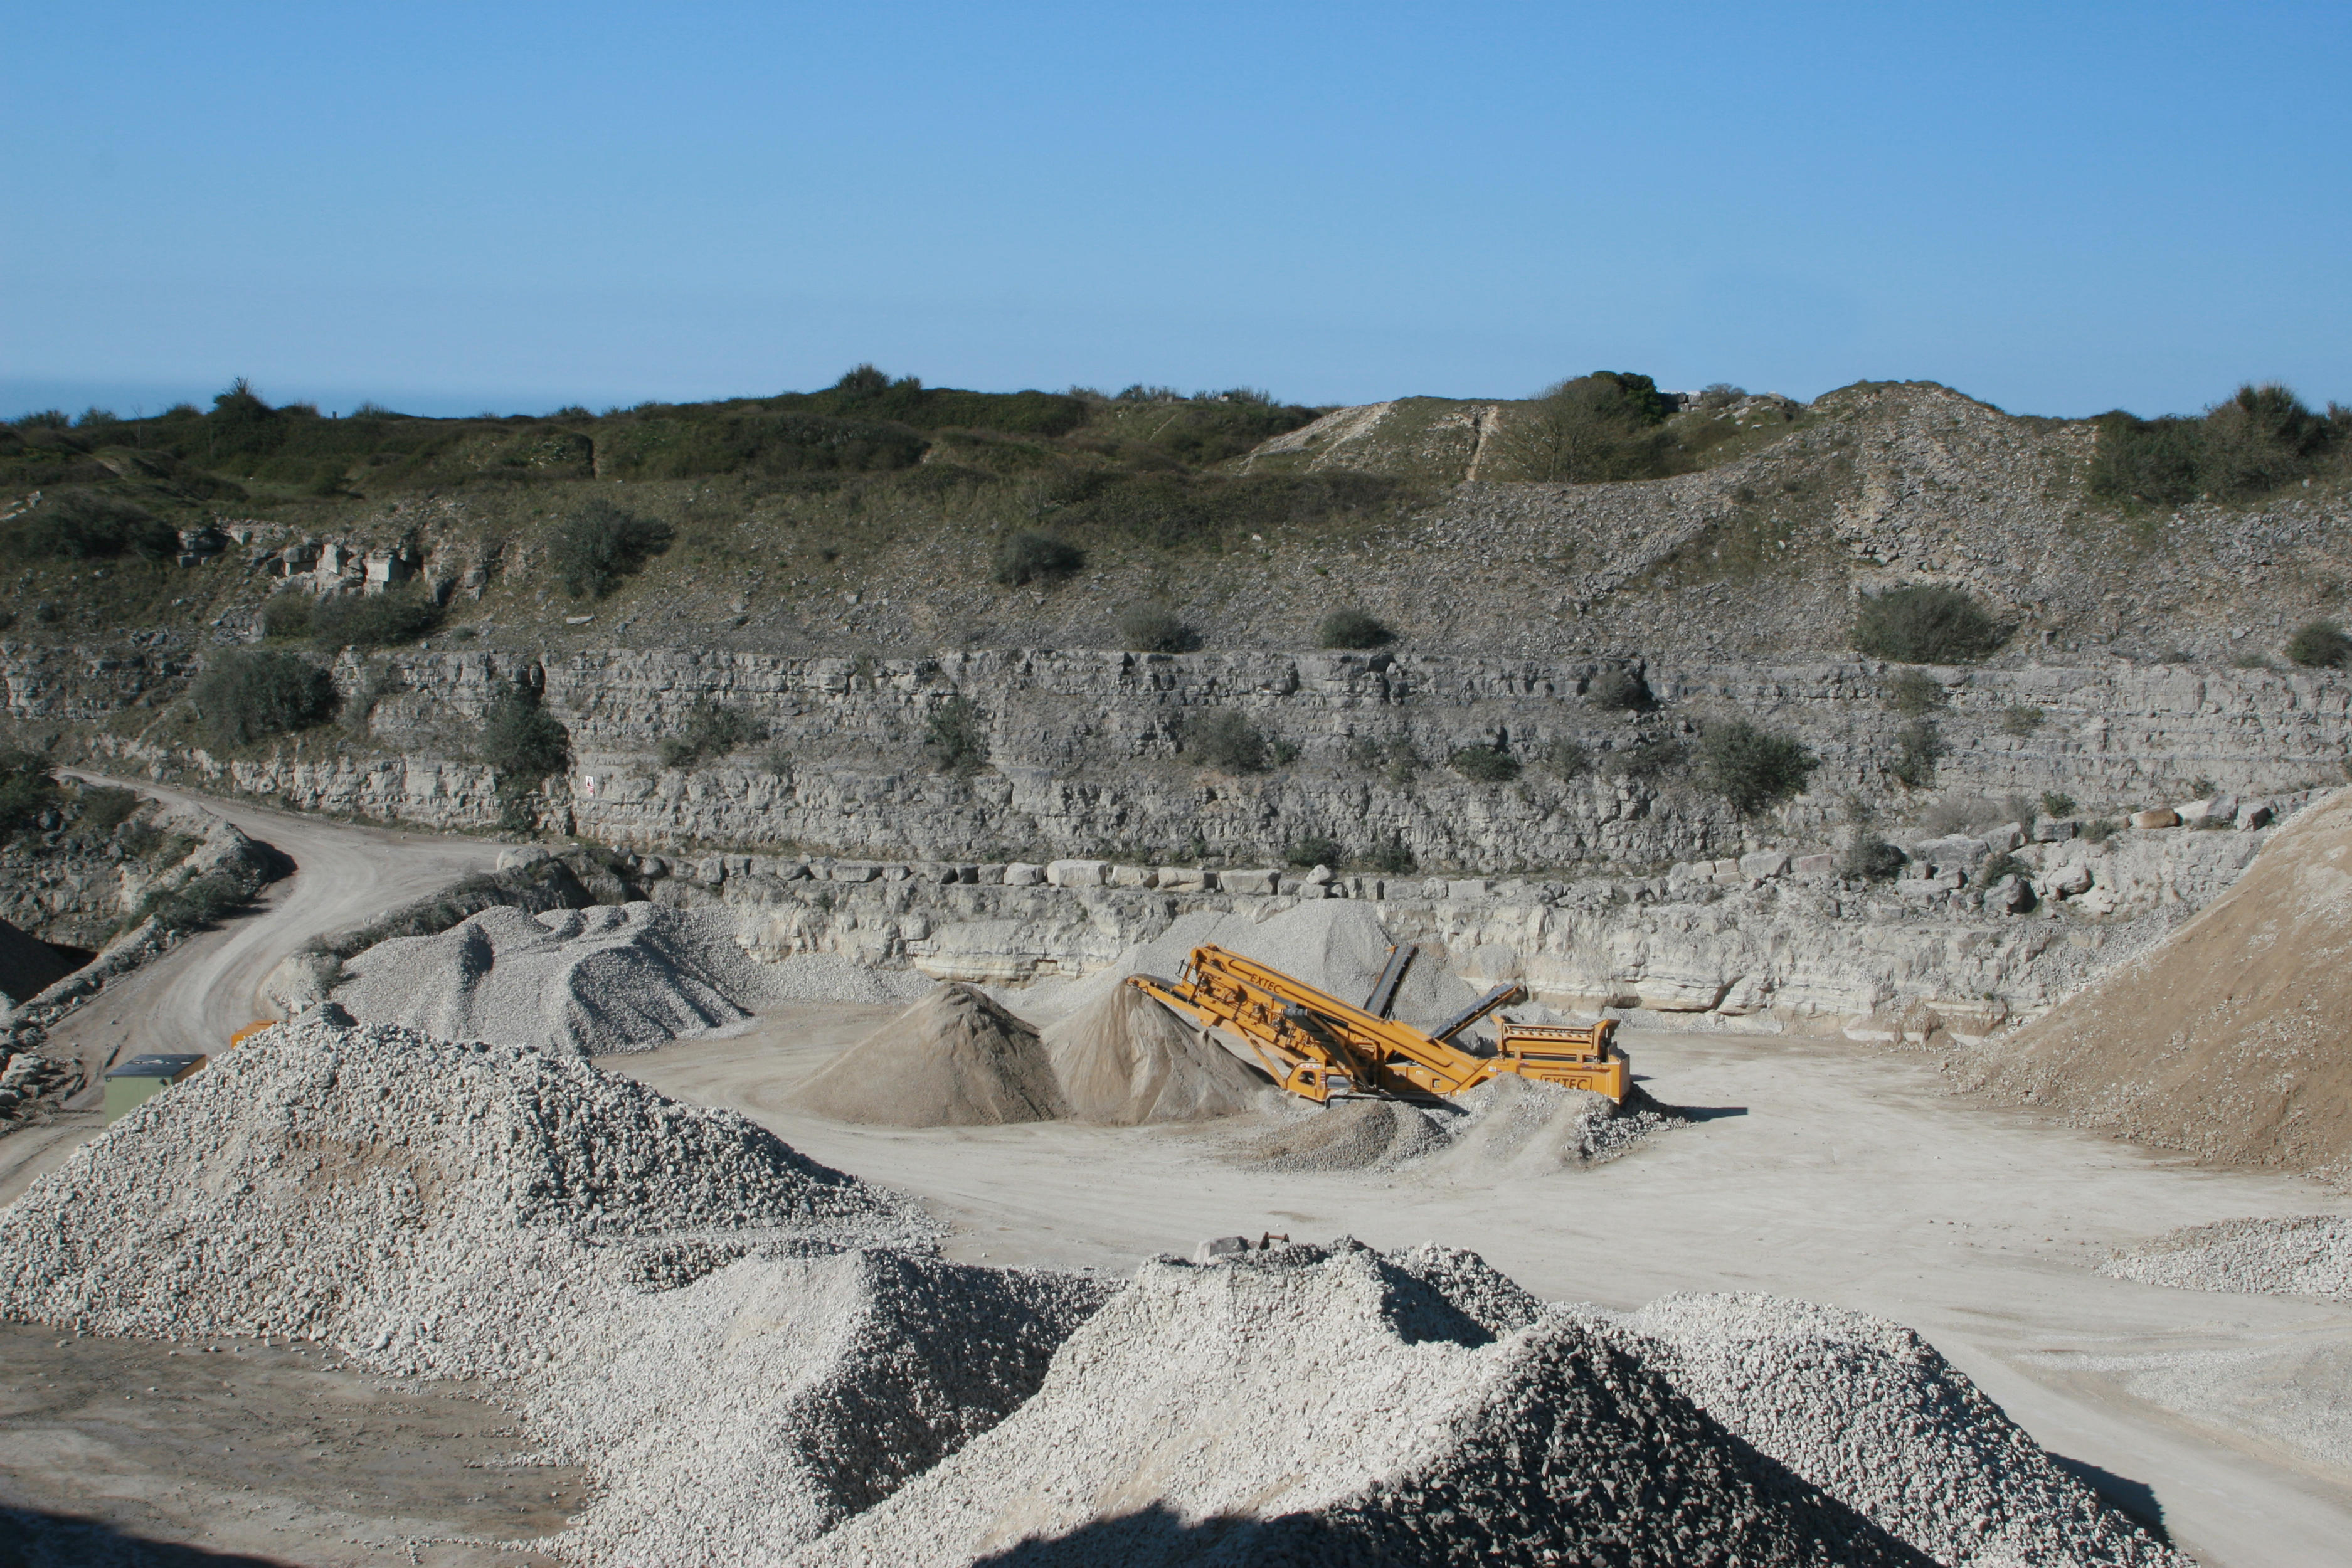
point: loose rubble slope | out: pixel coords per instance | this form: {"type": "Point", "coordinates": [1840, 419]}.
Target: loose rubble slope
{"type": "Point", "coordinates": [585, 980]}
{"type": "Point", "coordinates": [2303, 1255]}
{"type": "Point", "coordinates": [954, 1059]}
{"type": "Point", "coordinates": [2226, 1040]}
{"type": "Point", "coordinates": [1125, 1060]}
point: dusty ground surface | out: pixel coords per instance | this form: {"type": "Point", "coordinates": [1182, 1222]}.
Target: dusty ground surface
{"type": "Point", "coordinates": [1817, 1169]}
{"type": "Point", "coordinates": [266, 1453]}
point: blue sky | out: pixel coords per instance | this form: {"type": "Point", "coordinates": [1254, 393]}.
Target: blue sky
{"type": "Point", "coordinates": [2058, 208]}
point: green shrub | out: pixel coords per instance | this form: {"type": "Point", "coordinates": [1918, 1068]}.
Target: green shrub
{"type": "Point", "coordinates": [711, 731]}
{"type": "Point", "coordinates": [2321, 645]}
{"type": "Point", "coordinates": [286, 616]}
{"type": "Point", "coordinates": [1610, 425]}
{"type": "Point", "coordinates": [1647, 759]}
{"type": "Point", "coordinates": [2255, 443]}
{"type": "Point", "coordinates": [1155, 631]}
{"type": "Point", "coordinates": [1351, 629]}
{"type": "Point", "coordinates": [1485, 765]}
{"type": "Point", "coordinates": [1394, 859]}
{"type": "Point", "coordinates": [194, 904]}
{"type": "Point", "coordinates": [599, 544]}
{"type": "Point", "coordinates": [245, 694]}
{"type": "Point", "coordinates": [2057, 804]}
{"type": "Point", "coordinates": [26, 790]}
{"type": "Point", "coordinates": [2022, 720]}
{"type": "Point", "coordinates": [957, 737]}
{"type": "Point", "coordinates": [1564, 758]}
{"type": "Point", "coordinates": [1316, 851]}
{"type": "Point", "coordinates": [522, 742]}
{"type": "Point", "coordinates": [1031, 557]}
{"type": "Point", "coordinates": [1618, 690]}
{"type": "Point", "coordinates": [103, 808]}
{"type": "Point", "coordinates": [1226, 740]}
{"type": "Point", "coordinates": [2100, 829]}
{"type": "Point", "coordinates": [372, 620]}
{"type": "Point", "coordinates": [1913, 694]}
{"type": "Point", "coordinates": [1752, 768]}
{"type": "Point", "coordinates": [1871, 860]}
{"type": "Point", "coordinates": [85, 525]}
{"type": "Point", "coordinates": [1924, 625]}
{"type": "Point", "coordinates": [1917, 747]}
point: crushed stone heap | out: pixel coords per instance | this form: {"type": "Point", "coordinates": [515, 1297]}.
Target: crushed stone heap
{"type": "Point", "coordinates": [592, 980]}
{"type": "Point", "coordinates": [1506, 1126]}
{"type": "Point", "coordinates": [2303, 1255]}
{"type": "Point", "coordinates": [954, 1059]}
{"type": "Point", "coordinates": [1125, 1060]}
{"type": "Point", "coordinates": [1867, 1411]}
{"type": "Point", "coordinates": [1305, 1405]}
{"type": "Point", "coordinates": [442, 1209]}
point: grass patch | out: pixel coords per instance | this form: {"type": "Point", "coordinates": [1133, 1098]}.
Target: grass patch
{"type": "Point", "coordinates": [1918, 749]}
{"type": "Point", "coordinates": [1913, 694]}
{"type": "Point", "coordinates": [2320, 645]}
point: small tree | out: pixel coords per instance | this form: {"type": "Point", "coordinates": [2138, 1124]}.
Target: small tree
{"type": "Point", "coordinates": [957, 737]}
{"type": "Point", "coordinates": [1353, 628]}
{"type": "Point", "coordinates": [521, 740]}
{"type": "Point", "coordinates": [1606, 426]}
{"type": "Point", "coordinates": [245, 694]}
{"type": "Point", "coordinates": [1752, 768]}
{"type": "Point", "coordinates": [599, 544]}
{"type": "Point", "coordinates": [1485, 765]}
{"type": "Point", "coordinates": [1154, 631]}
{"type": "Point", "coordinates": [1226, 740]}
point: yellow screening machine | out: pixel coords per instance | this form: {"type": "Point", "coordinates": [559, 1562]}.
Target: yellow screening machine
{"type": "Point", "coordinates": [1317, 1047]}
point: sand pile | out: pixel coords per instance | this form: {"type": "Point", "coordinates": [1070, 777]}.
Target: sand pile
{"type": "Point", "coordinates": [1869, 1412]}
{"type": "Point", "coordinates": [2225, 1040]}
{"type": "Point", "coordinates": [1506, 1126]}
{"type": "Point", "coordinates": [1125, 1060]}
{"type": "Point", "coordinates": [1310, 1406]}
{"type": "Point", "coordinates": [607, 978]}
{"type": "Point", "coordinates": [954, 1059]}
{"type": "Point", "coordinates": [2306, 1255]}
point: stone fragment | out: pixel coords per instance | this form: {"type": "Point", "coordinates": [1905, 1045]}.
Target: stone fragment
{"type": "Point", "coordinates": [1821, 864]}
{"type": "Point", "coordinates": [1181, 879]}
{"type": "Point", "coordinates": [2155, 816]}
{"type": "Point", "coordinates": [2067, 881]}
{"type": "Point", "coordinates": [1765, 863]}
{"type": "Point", "coordinates": [2054, 832]}
{"type": "Point", "coordinates": [1319, 874]}
{"type": "Point", "coordinates": [854, 872]}
{"type": "Point", "coordinates": [1077, 873]}
{"type": "Point", "coordinates": [2258, 814]}
{"type": "Point", "coordinates": [1131, 876]}
{"type": "Point", "coordinates": [2004, 839]}
{"type": "Point", "coordinates": [1020, 874]}
{"type": "Point", "coordinates": [1469, 888]}
{"type": "Point", "coordinates": [1245, 881]}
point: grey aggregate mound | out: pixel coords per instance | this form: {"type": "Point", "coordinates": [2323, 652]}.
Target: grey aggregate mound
{"type": "Point", "coordinates": [1507, 1125]}
{"type": "Point", "coordinates": [1125, 1060]}
{"type": "Point", "coordinates": [2305, 1254]}
{"type": "Point", "coordinates": [831, 977]}
{"type": "Point", "coordinates": [1868, 1412]}
{"type": "Point", "coordinates": [1311, 1406]}
{"type": "Point", "coordinates": [593, 981]}
{"type": "Point", "coordinates": [954, 1059]}
{"type": "Point", "coordinates": [430, 1208]}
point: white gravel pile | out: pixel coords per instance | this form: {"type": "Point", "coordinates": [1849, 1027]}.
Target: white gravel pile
{"type": "Point", "coordinates": [2306, 1255]}
{"type": "Point", "coordinates": [445, 1209]}
{"type": "Point", "coordinates": [1304, 1406]}
{"type": "Point", "coordinates": [1867, 1411]}
{"type": "Point", "coordinates": [609, 978]}
{"type": "Point", "coordinates": [830, 978]}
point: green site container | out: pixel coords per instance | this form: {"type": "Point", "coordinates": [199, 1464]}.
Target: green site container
{"type": "Point", "coordinates": [141, 1079]}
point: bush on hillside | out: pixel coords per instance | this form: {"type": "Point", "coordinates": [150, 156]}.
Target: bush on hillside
{"type": "Point", "coordinates": [103, 808]}
{"type": "Point", "coordinates": [27, 789]}
{"type": "Point", "coordinates": [1155, 631]}
{"type": "Point", "coordinates": [2321, 645]}
{"type": "Point", "coordinates": [1871, 860]}
{"type": "Point", "coordinates": [1917, 748]}
{"type": "Point", "coordinates": [1648, 760]}
{"type": "Point", "coordinates": [1226, 740]}
{"type": "Point", "coordinates": [957, 737]}
{"type": "Point", "coordinates": [1315, 851]}
{"type": "Point", "coordinates": [1753, 768]}
{"type": "Point", "coordinates": [1618, 689]}
{"type": "Point", "coordinates": [248, 694]}
{"type": "Point", "coordinates": [599, 544]}
{"type": "Point", "coordinates": [1610, 425]}
{"type": "Point", "coordinates": [1032, 557]}
{"type": "Point", "coordinates": [370, 620]}
{"type": "Point", "coordinates": [711, 731]}
{"type": "Point", "coordinates": [1564, 758]}
{"type": "Point", "coordinates": [1929, 624]}
{"type": "Point", "coordinates": [1394, 859]}
{"type": "Point", "coordinates": [1353, 628]}
{"type": "Point", "coordinates": [1485, 765]}
{"type": "Point", "coordinates": [85, 525]}
{"type": "Point", "coordinates": [2257, 441]}
{"type": "Point", "coordinates": [286, 616]}
{"type": "Point", "coordinates": [1913, 694]}
{"type": "Point", "coordinates": [521, 742]}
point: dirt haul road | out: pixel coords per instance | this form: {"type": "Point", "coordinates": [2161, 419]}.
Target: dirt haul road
{"type": "Point", "coordinates": [194, 997]}
{"type": "Point", "coordinates": [1820, 1170]}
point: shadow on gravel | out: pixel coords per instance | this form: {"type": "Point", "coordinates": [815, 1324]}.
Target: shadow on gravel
{"type": "Point", "coordinates": [29, 1539]}
{"type": "Point", "coordinates": [2135, 1499]}
{"type": "Point", "coordinates": [1707, 1113]}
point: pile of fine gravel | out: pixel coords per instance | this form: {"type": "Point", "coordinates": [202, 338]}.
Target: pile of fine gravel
{"type": "Point", "coordinates": [830, 978]}
{"type": "Point", "coordinates": [1125, 1060]}
{"type": "Point", "coordinates": [1508, 1125]}
{"type": "Point", "coordinates": [1867, 1411]}
{"type": "Point", "coordinates": [1305, 1405]}
{"type": "Point", "coordinates": [593, 981]}
{"type": "Point", "coordinates": [954, 1059]}
{"type": "Point", "coordinates": [2306, 1255]}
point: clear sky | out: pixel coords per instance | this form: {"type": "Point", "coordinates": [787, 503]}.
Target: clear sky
{"type": "Point", "coordinates": [2060, 208]}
